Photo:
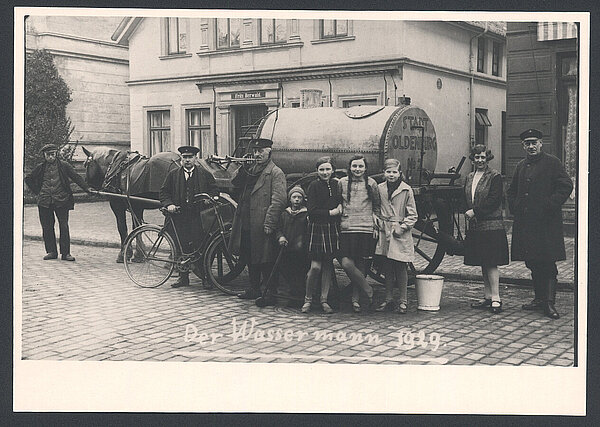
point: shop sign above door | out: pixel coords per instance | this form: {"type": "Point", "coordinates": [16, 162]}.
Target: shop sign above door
{"type": "Point", "coordinates": [248, 95]}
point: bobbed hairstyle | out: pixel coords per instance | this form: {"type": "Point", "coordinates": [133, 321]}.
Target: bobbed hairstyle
{"type": "Point", "coordinates": [325, 159]}
{"type": "Point", "coordinates": [480, 148]}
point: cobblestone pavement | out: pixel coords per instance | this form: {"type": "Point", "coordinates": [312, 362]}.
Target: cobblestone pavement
{"type": "Point", "coordinates": [94, 224]}
{"type": "Point", "coordinates": [90, 310]}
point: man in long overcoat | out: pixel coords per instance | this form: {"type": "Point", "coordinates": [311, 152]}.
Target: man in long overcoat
{"type": "Point", "coordinates": [262, 190]}
{"type": "Point", "coordinates": [538, 189]}
{"type": "Point", "coordinates": [51, 182]}
{"type": "Point", "coordinates": [178, 191]}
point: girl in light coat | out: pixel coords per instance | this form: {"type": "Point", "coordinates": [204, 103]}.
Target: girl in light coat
{"type": "Point", "coordinates": [398, 216]}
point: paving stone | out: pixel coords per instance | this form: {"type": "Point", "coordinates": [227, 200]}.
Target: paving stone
{"type": "Point", "coordinates": [120, 321]}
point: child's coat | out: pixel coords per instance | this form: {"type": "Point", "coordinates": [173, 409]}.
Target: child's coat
{"type": "Point", "coordinates": [401, 209]}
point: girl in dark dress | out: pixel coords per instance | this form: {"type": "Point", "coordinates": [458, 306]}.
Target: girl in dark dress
{"type": "Point", "coordinates": [324, 210]}
{"type": "Point", "coordinates": [485, 242]}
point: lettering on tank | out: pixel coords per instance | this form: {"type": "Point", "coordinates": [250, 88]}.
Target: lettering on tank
{"type": "Point", "coordinates": [409, 121]}
{"type": "Point", "coordinates": [413, 142]}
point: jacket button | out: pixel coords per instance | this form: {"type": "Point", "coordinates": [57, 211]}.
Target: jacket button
{"type": "Point", "coordinates": [527, 194]}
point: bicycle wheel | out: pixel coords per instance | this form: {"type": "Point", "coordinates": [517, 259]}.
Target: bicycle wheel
{"type": "Point", "coordinates": [222, 268]}
{"type": "Point", "coordinates": [153, 257]}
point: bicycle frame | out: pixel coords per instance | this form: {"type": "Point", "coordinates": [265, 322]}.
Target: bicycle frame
{"type": "Point", "coordinates": [207, 238]}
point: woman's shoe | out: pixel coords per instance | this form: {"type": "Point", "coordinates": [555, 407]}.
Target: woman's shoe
{"type": "Point", "coordinates": [326, 308]}
{"type": "Point", "coordinates": [306, 307]}
{"type": "Point", "coordinates": [385, 306]}
{"type": "Point", "coordinates": [482, 304]}
{"type": "Point", "coordinates": [356, 307]}
{"type": "Point", "coordinates": [401, 308]}
{"type": "Point", "coordinates": [496, 307]}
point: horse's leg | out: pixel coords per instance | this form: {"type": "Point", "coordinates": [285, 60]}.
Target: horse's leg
{"type": "Point", "coordinates": [118, 208]}
{"type": "Point", "coordinates": [138, 214]}
{"type": "Point", "coordinates": [137, 219]}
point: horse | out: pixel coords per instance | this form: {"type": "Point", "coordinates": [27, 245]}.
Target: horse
{"type": "Point", "coordinates": [128, 173]}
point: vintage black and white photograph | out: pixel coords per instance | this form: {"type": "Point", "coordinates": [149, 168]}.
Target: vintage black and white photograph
{"type": "Point", "coordinates": [389, 206]}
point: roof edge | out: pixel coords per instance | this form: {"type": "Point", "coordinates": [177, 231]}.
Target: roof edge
{"type": "Point", "coordinates": [125, 30]}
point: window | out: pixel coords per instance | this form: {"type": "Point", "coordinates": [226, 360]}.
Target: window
{"type": "Point", "coordinates": [330, 28]}
{"type": "Point", "coordinates": [228, 33]}
{"type": "Point", "coordinates": [481, 124]}
{"type": "Point", "coordinates": [176, 36]}
{"type": "Point", "coordinates": [160, 131]}
{"type": "Point", "coordinates": [198, 129]}
{"type": "Point", "coordinates": [354, 102]}
{"type": "Point", "coordinates": [273, 31]}
{"type": "Point", "coordinates": [496, 59]}
{"type": "Point", "coordinates": [295, 104]}
{"type": "Point", "coordinates": [481, 55]}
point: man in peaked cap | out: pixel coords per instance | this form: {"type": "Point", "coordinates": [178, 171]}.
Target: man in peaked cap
{"type": "Point", "coordinates": [262, 190]}
{"type": "Point", "coordinates": [177, 192]}
{"type": "Point", "coordinates": [51, 182]}
{"type": "Point", "coordinates": [538, 189]}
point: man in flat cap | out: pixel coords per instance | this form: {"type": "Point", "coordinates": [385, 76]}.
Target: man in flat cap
{"type": "Point", "coordinates": [538, 189]}
{"type": "Point", "coordinates": [262, 190]}
{"type": "Point", "coordinates": [177, 194]}
{"type": "Point", "coordinates": [51, 182]}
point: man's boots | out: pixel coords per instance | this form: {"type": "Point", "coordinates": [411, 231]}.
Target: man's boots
{"type": "Point", "coordinates": [536, 303]}
{"type": "Point", "coordinates": [250, 293]}
{"type": "Point", "coordinates": [549, 309]}
{"type": "Point", "coordinates": [267, 299]}
{"type": "Point", "coordinates": [253, 292]}
{"type": "Point", "coordinates": [184, 280]}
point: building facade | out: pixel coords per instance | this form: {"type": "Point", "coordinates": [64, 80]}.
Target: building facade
{"type": "Point", "coordinates": [95, 69]}
{"type": "Point", "coordinates": [542, 65]}
{"type": "Point", "coordinates": [208, 81]}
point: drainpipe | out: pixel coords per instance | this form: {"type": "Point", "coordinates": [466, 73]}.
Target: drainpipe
{"type": "Point", "coordinates": [214, 119]}
{"type": "Point", "coordinates": [471, 79]}
{"type": "Point", "coordinates": [385, 98]}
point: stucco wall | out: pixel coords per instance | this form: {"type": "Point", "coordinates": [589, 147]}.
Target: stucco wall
{"type": "Point", "coordinates": [95, 70]}
{"type": "Point", "coordinates": [444, 48]}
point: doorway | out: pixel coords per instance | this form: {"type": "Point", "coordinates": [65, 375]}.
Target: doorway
{"type": "Point", "coordinates": [246, 121]}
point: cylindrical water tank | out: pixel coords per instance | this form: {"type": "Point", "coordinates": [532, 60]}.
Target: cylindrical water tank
{"type": "Point", "coordinates": [301, 136]}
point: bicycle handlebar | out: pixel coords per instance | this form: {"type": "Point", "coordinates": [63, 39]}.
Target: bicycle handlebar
{"type": "Point", "coordinates": [205, 196]}
{"type": "Point", "coordinates": [197, 198]}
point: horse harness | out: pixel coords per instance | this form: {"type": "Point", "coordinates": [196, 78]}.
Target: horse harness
{"type": "Point", "coordinates": [121, 161]}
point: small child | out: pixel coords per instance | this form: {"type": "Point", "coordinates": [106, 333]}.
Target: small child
{"type": "Point", "coordinates": [399, 215]}
{"type": "Point", "coordinates": [290, 234]}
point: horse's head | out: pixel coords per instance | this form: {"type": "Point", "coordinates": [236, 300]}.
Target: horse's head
{"type": "Point", "coordinates": [93, 173]}
{"type": "Point", "coordinates": [96, 164]}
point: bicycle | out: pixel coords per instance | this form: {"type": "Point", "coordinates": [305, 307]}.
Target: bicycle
{"type": "Point", "coordinates": [157, 251]}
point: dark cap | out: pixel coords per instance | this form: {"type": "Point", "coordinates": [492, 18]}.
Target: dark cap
{"type": "Point", "coordinates": [48, 147]}
{"type": "Point", "coordinates": [260, 143]}
{"type": "Point", "coordinates": [531, 133]}
{"type": "Point", "coordinates": [188, 149]}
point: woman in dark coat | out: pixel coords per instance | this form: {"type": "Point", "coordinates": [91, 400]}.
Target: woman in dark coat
{"type": "Point", "coordinates": [485, 243]}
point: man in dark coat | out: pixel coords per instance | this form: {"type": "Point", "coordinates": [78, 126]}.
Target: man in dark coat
{"type": "Point", "coordinates": [177, 193]}
{"type": "Point", "coordinates": [263, 197]}
{"type": "Point", "coordinates": [51, 182]}
{"type": "Point", "coordinates": [538, 189]}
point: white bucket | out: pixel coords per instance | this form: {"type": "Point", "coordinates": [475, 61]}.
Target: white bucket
{"type": "Point", "coordinates": [429, 291]}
